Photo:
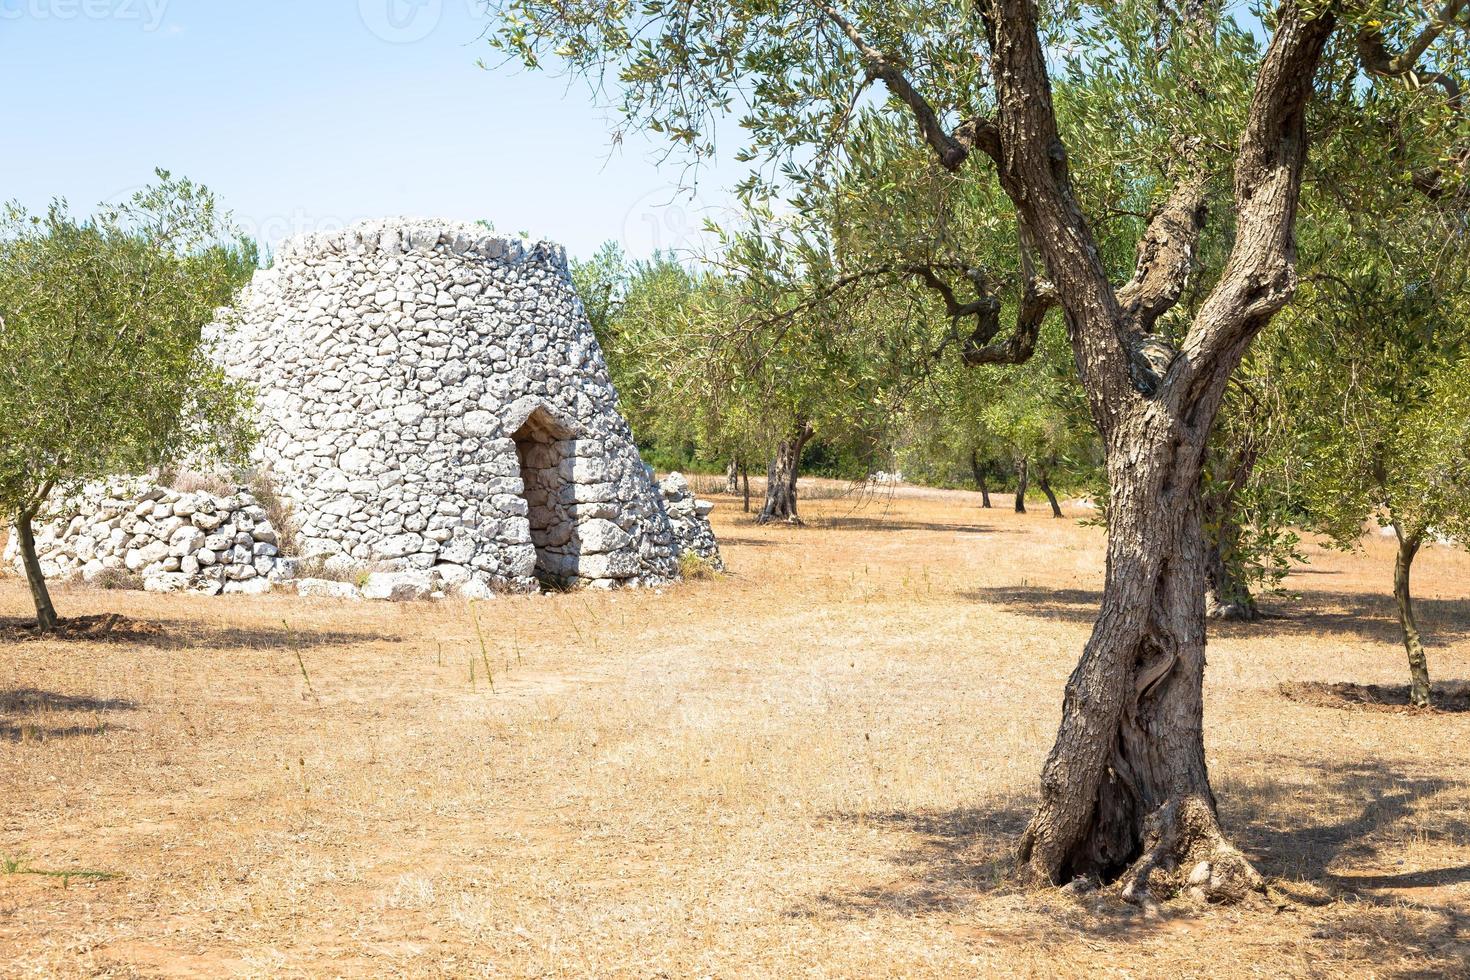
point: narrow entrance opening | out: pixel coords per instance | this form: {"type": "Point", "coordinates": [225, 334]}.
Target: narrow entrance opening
{"type": "Point", "coordinates": [538, 445]}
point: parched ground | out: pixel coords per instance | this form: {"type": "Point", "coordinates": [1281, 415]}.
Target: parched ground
{"type": "Point", "coordinates": [813, 766]}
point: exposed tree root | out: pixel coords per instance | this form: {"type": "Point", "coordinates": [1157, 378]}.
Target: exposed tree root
{"type": "Point", "coordinates": [1235, 612]}
{"type": "Point", "coordinates": [1185, 853]}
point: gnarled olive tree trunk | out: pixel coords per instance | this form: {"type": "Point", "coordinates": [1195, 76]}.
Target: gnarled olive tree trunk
{"type": "Point", "coordinates": [1227, 593]}
{"type": "Point", "coordinates": [732, 477]}
{"type": "Point", "coordinates": [1125, 791]}
{"type": "Point", "coordinates": [1043, 480]}
{"type": "Point", "coordinates": [781, 478]}
{"type": "Point", "coordinates": [1023, 480]}
{"type": "Point", "coordinates": [46, 619]}
{"type": "Point", "coordinates": [1409, 544]}
{"type": "Point", "coordinates": [977, 469]}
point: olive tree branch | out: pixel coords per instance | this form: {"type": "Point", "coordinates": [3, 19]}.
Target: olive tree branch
{"type": "Point", "coordinates": [952, 150]}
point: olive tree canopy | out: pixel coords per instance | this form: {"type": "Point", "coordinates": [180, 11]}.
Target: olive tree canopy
{"type": "Point", "coordinates": [102, 370]}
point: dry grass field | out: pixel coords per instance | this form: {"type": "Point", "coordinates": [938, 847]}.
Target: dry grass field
{"type": "Point", "coordinates": [813, 766]}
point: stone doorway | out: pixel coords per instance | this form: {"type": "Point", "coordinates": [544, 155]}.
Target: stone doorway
{"type": "Point", "coordinates": [541, 446]}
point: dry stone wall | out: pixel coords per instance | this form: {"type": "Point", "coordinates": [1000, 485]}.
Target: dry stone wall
{"type": "Point", "coordinates": [167, 540]}
{"type": "Point", "coordinates": [689, 517]}
{"type": "Point", "coordinates": [133, 533]}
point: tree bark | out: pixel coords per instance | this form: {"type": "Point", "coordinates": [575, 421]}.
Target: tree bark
{"type": "Point", "coordinates": [1125, 791]}
{"type": "Point", "coordinates": [1023, 479]}
{"type": "Point", "coordinates": [1043, 480]}
{"type": "Point", "coordinates": [46, 619]}
{"type": "Point", "coordinates": [732, 477]}
{"type": "Point", "coordinates": [1227, 593]}
{"type": "Point", "coordinates": [1409, 545]}
{"type": "Point", "coordinates": [745, 479]}
{"type": "Point", "coordinates": [781, 478]}
{"type": "Point", "coordinates": [978, 470]}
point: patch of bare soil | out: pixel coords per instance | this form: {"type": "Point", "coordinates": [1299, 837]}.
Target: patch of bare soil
{"type": "Point", "coordinates": [1449, 697]}
{"type": "Point", "coordinates": [113, 627]}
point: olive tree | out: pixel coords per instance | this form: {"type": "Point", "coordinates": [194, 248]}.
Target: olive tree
{"type": "Point", "coordinates": [1249, 515]}
{"type": "Point", "coordinates": [981, 421]}
{"type": "Point", "coordinates": [1371, 362]}
{"type": "Point", "coordinates": [1125, 793]}
{"type": "Point", "coordinates": [943, 434]}
{"type": "Point", "coordinates": [660, 325]}
{"type": "Point", "coordinates": [102, 371]}
{"type": "Point", "coordinates": [634, 307]}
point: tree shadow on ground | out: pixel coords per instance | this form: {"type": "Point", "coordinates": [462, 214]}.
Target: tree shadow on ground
{"type": "Point", "coordinates": [1347, 803]}
{"type": "Point", "coordinates": [1316, 614]}
{"type": "Point", "coordinates": [105, 628]}
{"type": "Point", "coordinates": [1447, 697]}
{"type": "Point", "coordinates": [1367, 615]}
{"type": "Point", "coordinates": [864, 524]}
{"type": "Point", "coordinates": [733, 542]}
{"type": "Point", "coordinates": [956, 855]}
{"type": "Point", "coordinates": [1070, 605]}
{"type": "Point", "coordinates": [19, 703]}
{"type": "Point", "coordinates": [1350, 809]}
{"type": "Point", "coordinates": [182, 635]}
{"type": "Point", "coordinates": [176, 634]}
{"type": "Point", "coordinates": [896, 524]}
{"type": "Point", "coordinates": [960, 860]}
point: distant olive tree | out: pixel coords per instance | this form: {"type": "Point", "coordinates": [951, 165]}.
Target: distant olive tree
{"type": "Point", "coordinates": [102, 369]}
{"type": "Point", "coordinates": [986, 422]}
{"type": "Point", "coordinates": [1373, 366]}
{"type": "Point", "coordinates": [648, 315]}
{"type": "Point", "coordinates": [684, 383]}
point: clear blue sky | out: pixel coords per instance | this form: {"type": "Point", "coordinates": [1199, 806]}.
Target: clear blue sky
{"type": "Point", "coordinates": [307, 114]}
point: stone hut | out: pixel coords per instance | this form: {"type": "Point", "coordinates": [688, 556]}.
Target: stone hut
{"type": "Point", "coordinates": [432, 398]}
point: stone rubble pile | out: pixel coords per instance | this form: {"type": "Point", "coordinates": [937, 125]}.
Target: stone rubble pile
{"type": "Point", "coordinates": [689, 516]}
{"type": "Point", "coordinates": [169, 540]}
